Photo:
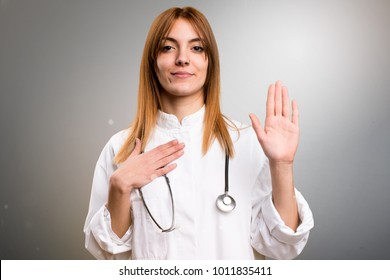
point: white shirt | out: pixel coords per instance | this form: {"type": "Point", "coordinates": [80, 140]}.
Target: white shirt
{"type": "Point", "coordinates": [202, 231]}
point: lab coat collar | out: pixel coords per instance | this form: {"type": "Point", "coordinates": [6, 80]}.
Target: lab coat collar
{"type": "Point", "coordinates": [169, 121]}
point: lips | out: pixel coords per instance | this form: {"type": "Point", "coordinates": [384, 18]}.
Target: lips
{"type": "Point", "coordinates": [182, 74]}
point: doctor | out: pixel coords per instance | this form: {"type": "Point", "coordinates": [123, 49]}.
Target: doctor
{"type": "Point", "coordinates": [155, 184]}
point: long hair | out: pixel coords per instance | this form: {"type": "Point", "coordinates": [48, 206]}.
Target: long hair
{"type": "Point", "coordinates": [149, 93]}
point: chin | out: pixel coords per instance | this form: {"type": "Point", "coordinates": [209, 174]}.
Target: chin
{"type": "Point", "coordinates": [182, 92]}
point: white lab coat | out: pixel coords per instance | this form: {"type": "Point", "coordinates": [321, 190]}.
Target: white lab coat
{"type": "Point", "coordinates": [202, 231]}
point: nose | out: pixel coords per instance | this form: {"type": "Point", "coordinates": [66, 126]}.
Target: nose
{"type": "Point", "coordinates": [182, 62]}
{"type": "Point", "coordinates": [182, 59]}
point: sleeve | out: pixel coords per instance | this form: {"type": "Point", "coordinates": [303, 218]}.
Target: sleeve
{"type": "Point", "coordinates": [269, 234]}
{"type": "Point", "coordinates": [100, 240]}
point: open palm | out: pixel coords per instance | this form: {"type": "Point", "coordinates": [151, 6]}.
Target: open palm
{"type": "Point", "coordinates": [280, 136]}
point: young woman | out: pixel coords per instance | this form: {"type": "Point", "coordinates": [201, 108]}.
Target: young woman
{"type": "Point", "coordinates": [185, 182]}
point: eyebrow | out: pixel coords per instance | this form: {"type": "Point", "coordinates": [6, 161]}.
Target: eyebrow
{"type": "Point", "coordinates": [175, 41]}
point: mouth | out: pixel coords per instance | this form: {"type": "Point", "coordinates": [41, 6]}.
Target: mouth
{"type": "Point", "coordinates": [181, 74]}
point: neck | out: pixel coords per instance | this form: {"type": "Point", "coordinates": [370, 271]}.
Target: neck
{"type": "Point", "coordinates": [181, 106]}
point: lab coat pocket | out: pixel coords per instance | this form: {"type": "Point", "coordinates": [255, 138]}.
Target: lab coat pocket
{"type": "Point", "coordinates": [149, 242]}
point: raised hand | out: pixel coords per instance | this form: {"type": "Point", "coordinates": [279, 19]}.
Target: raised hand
{"type": "Point", "coordinates": [279, 140]}
{"type": "Point", "coordinates": [280, 136]}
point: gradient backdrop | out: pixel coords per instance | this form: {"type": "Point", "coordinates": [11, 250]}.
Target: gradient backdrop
{"type": "Point", "coordinates": [69, 78]}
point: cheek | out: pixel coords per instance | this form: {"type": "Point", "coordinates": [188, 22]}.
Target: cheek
{"type": "Point", "coordinates": [205, 68]}
{"type": "Point", "coordinates": [159, 67]}
{"type": "Point", "coordinates": [160, 71]}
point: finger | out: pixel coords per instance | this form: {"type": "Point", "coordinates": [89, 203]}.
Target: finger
{"type": "Point", "coordinates": [164, 148]}
{"type": "Point", "coordinates": [285, 102]}
{"type": "Point", "coordinates": [295, 113]}
{"type": "Point", "coordinates": [165, 170]}
{"type": "Point", "coordinates": [163, 153]}
{"type": "Point", "coordinates": [257, 126]}
{"type": "Point", "coordinates": [168, 159]}
{"type": "Point", "coordinates": [271, 101]}
{"type": "Point", "coordinates": [278, 98]}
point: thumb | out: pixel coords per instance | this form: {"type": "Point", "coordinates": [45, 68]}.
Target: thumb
{"type": "Point", "coordinates": [257, 126]}
{"type": "Point", "coordinates": [137, 148]}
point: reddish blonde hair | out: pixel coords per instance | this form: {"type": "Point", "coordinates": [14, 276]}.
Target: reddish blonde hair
{"type": "Point", "coordinates": [149, 91]}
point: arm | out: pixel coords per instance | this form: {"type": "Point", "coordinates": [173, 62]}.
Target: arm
{"type": "Point", "coordinates": [279, 140]}
{"type": "Point", "coordinates": [283, 194]}
{"type": "Point", "coordinates": [270, 236]}
{"type": "Point", "coordinates": [100, 240]}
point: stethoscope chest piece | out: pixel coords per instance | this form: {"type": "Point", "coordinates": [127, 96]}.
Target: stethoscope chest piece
{"type": "Point", "coordinates": [225, 203]}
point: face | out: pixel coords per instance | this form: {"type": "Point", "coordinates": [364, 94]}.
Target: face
{"type": "Point", "coordinates": [182, 62]}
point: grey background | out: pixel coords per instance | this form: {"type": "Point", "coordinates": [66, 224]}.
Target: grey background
{"type": "Point", "coordinates": [69, 77]}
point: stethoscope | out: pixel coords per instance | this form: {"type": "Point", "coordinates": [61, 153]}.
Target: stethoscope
{"type": "Point", "coordinates": [224, 202]}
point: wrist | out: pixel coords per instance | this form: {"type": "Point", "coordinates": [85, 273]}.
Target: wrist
{"type": "Point", "coordinates": [281, 166]}
{"type": "Point", "coordinates": [119, 187]}
{"type": "Point", "coordinates": [282, 177]}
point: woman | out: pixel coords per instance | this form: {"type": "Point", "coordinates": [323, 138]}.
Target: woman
{"type": "Point", "coordinates": [155, 185]}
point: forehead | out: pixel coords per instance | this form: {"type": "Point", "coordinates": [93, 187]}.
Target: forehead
{"type": "Point", "coordinates": [183, 29]}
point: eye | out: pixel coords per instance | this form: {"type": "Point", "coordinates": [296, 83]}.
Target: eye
{"type": "Point", "coordinates": [166, 48]}
{"type": "Point", "coordinates": [198, 49]}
